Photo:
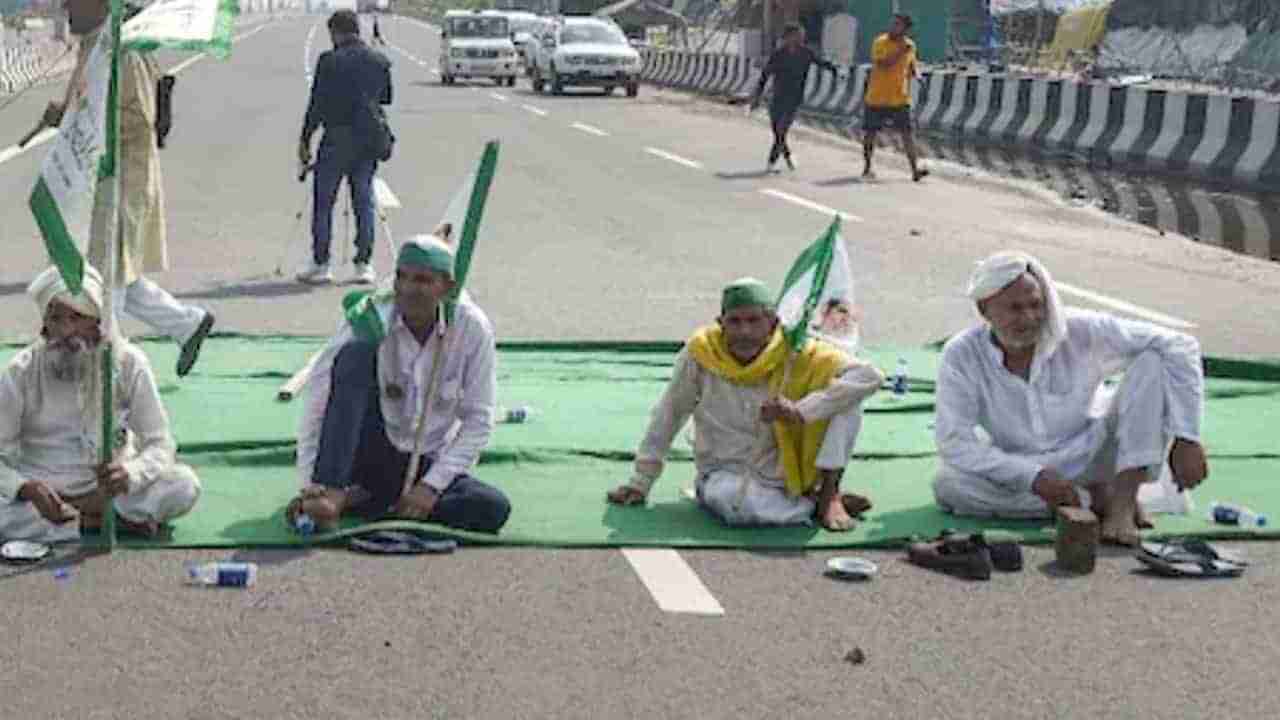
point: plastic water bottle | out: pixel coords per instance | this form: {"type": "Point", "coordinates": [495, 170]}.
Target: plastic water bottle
{"type": "Point", "coordinates": [222, 574]}
{"type": "Point", "coordinates": [304, 525]}
{"type": "Point", "coordinates": [900, 378]}
{"type": "Point", "coordinates": [1228, 514]}
{"type": "Point", "coordinates": [516, 415]}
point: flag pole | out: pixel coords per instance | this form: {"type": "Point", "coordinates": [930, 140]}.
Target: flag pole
{"type": "Point", "coordinates": [111, 273]}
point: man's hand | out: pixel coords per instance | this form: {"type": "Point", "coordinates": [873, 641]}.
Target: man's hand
{"type": "Point", "coordinates": [1054, 489]}
{"type": "Point", "coordinates": [304, 153]}
{"type": "Point", "coordinates": [417, 504]}
{"type": "Point", "coordinates": [780, 408]}
{"type": "Point", "coordinates": [625, 495]}
{"type": "Point", "coordinates": [1188, 462]}
{"type": "Point", "coordinates": [113, 479]}
{"type": "Point", "coordinates": [48, 503]}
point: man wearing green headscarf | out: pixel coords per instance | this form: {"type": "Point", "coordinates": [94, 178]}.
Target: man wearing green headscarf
{"type": "Point", "coordinates": [371, 384]}
{"type": "Point", "coordinates": [770, 444]}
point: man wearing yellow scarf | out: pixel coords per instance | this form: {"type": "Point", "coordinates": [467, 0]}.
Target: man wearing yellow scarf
{"type": "Point", "coordinates": [770, 443]}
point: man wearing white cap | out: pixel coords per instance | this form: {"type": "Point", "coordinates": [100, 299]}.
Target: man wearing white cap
{"type": "Point", "coordinates": [766, 453]}
{"type": "Point", "coordinates": [368, 390]}
{"type": "Point", "coordinates": [1016, 428]}
{"type": "Point", "coordinates": [51, 481]}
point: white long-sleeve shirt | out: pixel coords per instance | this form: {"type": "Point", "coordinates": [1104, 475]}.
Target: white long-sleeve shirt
{"type": "Point", "coordinates": [48, 435]}
{"type": "Point", "coordinates": [1045, 421]}
{"type": "Point", "coordinates": [462, 414]}
{"type": "Point", "coordinates": [728, 432]}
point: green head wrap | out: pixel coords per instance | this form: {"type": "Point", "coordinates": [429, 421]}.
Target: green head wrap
{"type": "Point", "coordinates": [426, 251]}
{"type": "Point", "coordinates": [745, 292]}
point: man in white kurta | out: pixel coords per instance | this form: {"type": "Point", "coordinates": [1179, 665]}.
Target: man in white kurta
{"type": "Point", "coordinates": [373, 381]}
{"type": "Point", "coordinates": [741, 478]}
{"type": "Point", "coordinates": [51, 481]}
{"type": "Point", "coordinates": [1020, 426]}
{"type": "Point", "coordinates": [142, 233]}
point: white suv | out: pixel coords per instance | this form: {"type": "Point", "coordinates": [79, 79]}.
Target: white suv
{"type": "Point", "coordinates": [475, 45]}
{"type": "Point", "coordinates": [586, 52]}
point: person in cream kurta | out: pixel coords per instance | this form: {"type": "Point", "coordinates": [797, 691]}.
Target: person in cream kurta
{"type": "Point", "coordinates": [142, 234]}
{"type": "Point", "coordinates": [766, 454]}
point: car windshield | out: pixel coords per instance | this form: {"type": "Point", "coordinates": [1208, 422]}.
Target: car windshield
{"type": "Point", "coordinates": [479, 27]}
{"type": "Point", "coordinates": [602, 34]}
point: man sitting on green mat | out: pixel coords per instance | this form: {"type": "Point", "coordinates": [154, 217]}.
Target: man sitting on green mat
{"type": "Point", "coordinates": [764, 457]}
{"type": "Point", "coordinates": [393, 379]}
{"type": "Point", "coordinates": [51, 481]}
{"type": "Point", "coordinates": [1020, 428]}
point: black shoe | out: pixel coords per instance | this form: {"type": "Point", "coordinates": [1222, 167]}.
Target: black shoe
{"type": "Point", "coordinates": [790, 165]}
{"type": "Point", "coordinates": [920, 174]}
{"type": "Point", "coordinates": [963, 555]}
{"type": "Point", "coordinates": [191, 348]}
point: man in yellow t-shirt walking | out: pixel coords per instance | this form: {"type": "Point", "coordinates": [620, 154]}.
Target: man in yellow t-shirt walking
{"type": "Point", "coordinates": [887, 102]}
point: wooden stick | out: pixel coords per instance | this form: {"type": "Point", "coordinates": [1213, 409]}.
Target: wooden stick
{"type": "Point", "coordinates": [299, 379]}
{"type": "Point", "coordinates": [420, 426]}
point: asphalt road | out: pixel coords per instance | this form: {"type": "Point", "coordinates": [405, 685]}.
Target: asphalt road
{"type": "Point", "coordinates": [592, 235]}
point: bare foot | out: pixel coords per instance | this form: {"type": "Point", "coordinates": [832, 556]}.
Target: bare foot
{"type": "Point", "coordinates": [324, 507]}
{"type": "Point", "coordinates": [834, 517]}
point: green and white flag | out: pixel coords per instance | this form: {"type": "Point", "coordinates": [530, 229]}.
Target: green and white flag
{"type": "Point", "coordinates": [819, 279]}
{"type": "Point", "coordinates": [203, 25]}
{"type": "Point", "coordinates": [83, 153]}
{"type": "Point", "coordinates": [464, 214]}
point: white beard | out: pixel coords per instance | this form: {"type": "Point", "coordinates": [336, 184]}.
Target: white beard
{"type": "Point", "coordinates": [70, 360]}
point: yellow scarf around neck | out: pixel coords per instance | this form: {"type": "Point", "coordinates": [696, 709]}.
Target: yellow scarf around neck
{"type": "Point", "coordinates": [812, 368]}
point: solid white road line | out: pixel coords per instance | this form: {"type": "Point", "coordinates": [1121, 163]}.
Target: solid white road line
{"type": "Point", "coordinates": [674, 158]}
{"type": "Point", "coordinates": [810, 204]}
{"type": "Point", "coordinates": [536, 111]}
{"type": "Point", "coordinates": [498, 96]}
{"type": "Point", "coordinates": [1124, 307]}
{"type": "Point", "coordinates": [589, 129]}
{"type": "Point", "coordinates": [672, 583]}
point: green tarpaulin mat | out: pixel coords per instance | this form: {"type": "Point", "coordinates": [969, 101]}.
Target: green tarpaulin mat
{"type": "Point", "coordinates": [591, 403]}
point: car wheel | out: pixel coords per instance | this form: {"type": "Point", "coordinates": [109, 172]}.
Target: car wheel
{"type": "Point", "coordinates": [633, 90]}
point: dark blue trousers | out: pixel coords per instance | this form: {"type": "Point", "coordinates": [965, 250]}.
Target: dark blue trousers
{"type": "Point", "coordinates": [335, 161]}
{"type": "Point", "coordinates": [354, 450]}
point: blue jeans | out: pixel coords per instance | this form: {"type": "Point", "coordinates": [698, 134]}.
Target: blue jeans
{"type": "Point", "coordinates": [354, 450]}
{"type": "Point", "coordinates": [335, 161]}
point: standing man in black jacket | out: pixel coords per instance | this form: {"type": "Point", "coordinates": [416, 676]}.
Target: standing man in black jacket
{"type": "Point", "coordinates": [347, 79]}
{"type": "Point", "coordinates": [789, 67]}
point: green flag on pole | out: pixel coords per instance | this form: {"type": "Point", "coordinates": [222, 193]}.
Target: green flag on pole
{"type": "Point", "coordinates": [819, 275]}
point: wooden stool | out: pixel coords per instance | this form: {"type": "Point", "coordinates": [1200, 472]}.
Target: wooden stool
{"type": "Point", "coordinates": [1078, 537]}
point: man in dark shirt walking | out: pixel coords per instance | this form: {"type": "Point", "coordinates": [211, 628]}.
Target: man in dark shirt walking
{"type": "Point", "coordinates": [789, 68]}
{"type": "Point", "coordinates": [348, 78]}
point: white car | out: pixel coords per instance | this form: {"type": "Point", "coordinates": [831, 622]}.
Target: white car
{"type": "Point", "coordinates": [586, 52]}
{"type": "Point", "coordinates": [473, 45]}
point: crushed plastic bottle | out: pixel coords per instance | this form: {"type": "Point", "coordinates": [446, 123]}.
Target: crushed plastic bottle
{"type": "Point", "coordinates": [304, 525]}
{"type": "Point", "coordinates": [516, 415]}
{"type": "Point", "coordinates": [222, 574]}
{"type": "Point", "coordinates": [900, 384]}
{"type": "Point", "coordinates": [1229, 514]}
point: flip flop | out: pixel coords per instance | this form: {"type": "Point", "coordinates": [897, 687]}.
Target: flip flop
{"type": "Point", "coordinates": [391, 542]}
{"type": "Point", "coordinates": [1190, 558]}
